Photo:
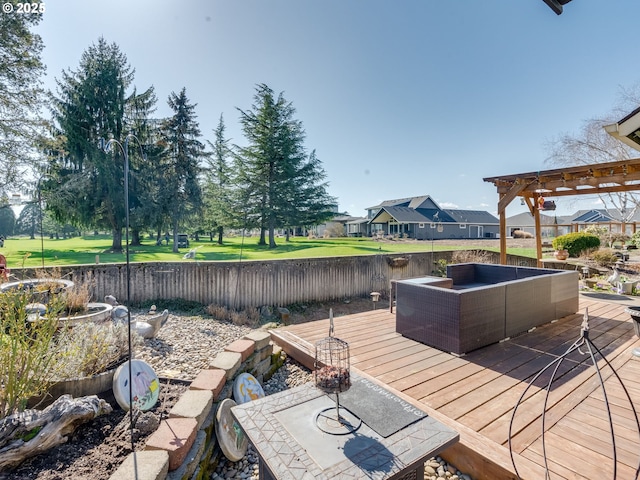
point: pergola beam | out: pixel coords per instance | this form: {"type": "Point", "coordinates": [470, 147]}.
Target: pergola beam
{"type": "Point", "coordinates": [599, 178]}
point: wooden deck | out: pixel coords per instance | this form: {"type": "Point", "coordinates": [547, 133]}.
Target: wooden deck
{"type": "Point", "coordinates": [475, 394]}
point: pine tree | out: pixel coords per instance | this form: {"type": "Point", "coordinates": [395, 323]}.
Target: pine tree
{"type": "Point", "coordinates": [21, 94]}
{"type": "Point", "coordinates": [183, 152]}
{"type": "Point", "coordinates": [93, 104]}
{"type": "Point", "coordinates": [279, 184]}
{"type": "Point", "coordinates": [219, 207]}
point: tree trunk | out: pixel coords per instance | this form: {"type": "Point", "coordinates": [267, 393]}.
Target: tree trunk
{"type": "Point", "coordinates": [116, 246]}
{"type": "Point", "coordinates": [53, 425]}
{"type": "Point", "coordinates": [272, 239]}
{"type": "Point", "coordinates": [220, 230]}
{"type": "Point", "coordinates": [262, 240]}
{"type": "Point", "coordinates": [175, 236]}
{"type": "Point", "coordinates": [135, 238]}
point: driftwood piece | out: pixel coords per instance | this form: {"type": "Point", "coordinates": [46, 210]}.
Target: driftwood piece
{"type": "Point", "coordinates": [53, 424]}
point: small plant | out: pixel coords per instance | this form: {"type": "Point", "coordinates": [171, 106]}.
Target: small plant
{"type": "Point", "coordinates": [471, 256]}
{"type": "Point", "coordinates": [77, 297]}
{"type": "Point", "coordinates": [89, 348]}
{"type": "Point", "coordinates": [604, 257]}
{"type": "Point", "coordinates": [26, 357]}
{"type": "Point", "coordinates": [219, 312]}
{"type": "Point", "coordinates": [249, 317]}
{"type": "Point", "coordinates": [441, 268]}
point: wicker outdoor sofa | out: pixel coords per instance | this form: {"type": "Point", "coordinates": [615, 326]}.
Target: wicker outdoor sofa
{"type": "Point", "coordinates": [485, 304]}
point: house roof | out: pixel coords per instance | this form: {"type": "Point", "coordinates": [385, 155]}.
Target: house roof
{"type": "Point", "coordinates": [424, 209]}
{"type": "Point", "coordinates": [400, 214]}
{"type": "Point", "coordinates": [424, 201]}
{"type": "Point", "coordinates": [525, 219]}
{"type": "Point", "coordinates": [358, 220]}
{"type": "Point", "coordinates": [472, 216]}
{"type": "Point", "coordinates": [627, 130]}
{"type": "Point", "coordinates": [595, 215]}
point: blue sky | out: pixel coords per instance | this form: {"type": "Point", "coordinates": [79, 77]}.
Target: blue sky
{"type": "Point", "coordinates": [398, 98]}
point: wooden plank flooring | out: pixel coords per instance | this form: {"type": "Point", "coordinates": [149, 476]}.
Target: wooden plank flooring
{"type": "Point", "coordinates": [476, 393]}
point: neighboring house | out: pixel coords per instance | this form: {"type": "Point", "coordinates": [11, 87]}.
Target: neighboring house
{"type": "Point", "coordinates": [334, 227]}
{"type": "Point", "coordinates": [553, 226]}
{"type": "Point", "coordinates": [357, 227]}
{"type": "Point", "coordinates": [609, 217]}
{"type": "Point", "coordinates": [423, 219]}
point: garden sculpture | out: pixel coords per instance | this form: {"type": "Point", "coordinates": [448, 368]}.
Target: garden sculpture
{"type": "Point", "coordinates": [147, 328]}
{"type": "Point", "coordinates": [614, 280]}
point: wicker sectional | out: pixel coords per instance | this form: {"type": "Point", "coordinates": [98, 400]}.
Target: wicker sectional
{"type": "Point", "coordinates": [486, 303]}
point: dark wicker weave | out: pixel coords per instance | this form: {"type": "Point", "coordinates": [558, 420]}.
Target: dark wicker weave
{"type": "Point", "coordinates": [494, 303]}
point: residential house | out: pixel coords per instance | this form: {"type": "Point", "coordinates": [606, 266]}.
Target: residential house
{"type": "Point", "coordinates": [423, 219]}
{"type": "Point", "coordinates": [552, 226]}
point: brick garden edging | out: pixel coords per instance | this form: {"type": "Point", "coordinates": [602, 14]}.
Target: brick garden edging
{"type": "Point", "coordinates": [185, 446]}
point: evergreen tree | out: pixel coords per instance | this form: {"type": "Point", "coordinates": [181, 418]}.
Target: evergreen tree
{"type": "Point", "coordinates": [21, 94]}
{"type": "Point", "coordinates": [219, 208]}
{"type": "Point", "coordinates": [183, 152]}
{"type": "Point", "coordinates": [7, 217]}
{"type": "Point", "coordinates": [29, 220]}
{"type": "Point", "coordinates": [279, 184]}
{"type": "Point", "coordinates": [144, 157]}
{"type": "Point", "coordinates": [92, 103]}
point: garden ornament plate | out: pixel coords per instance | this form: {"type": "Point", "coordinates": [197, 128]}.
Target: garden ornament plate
{"type": "Point", "coordinates": [232, 439]}
{"type": "Point", "coordinates": [246, 388]}
{"type": "Point", "coordinates": [145, 385]}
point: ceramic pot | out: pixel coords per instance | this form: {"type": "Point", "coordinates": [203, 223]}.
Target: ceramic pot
{"type": "Point", "coordinates": [561, 254]}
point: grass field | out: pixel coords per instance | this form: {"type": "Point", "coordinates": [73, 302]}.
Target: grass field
{"type": "Point", "coordinates": [22, 251]}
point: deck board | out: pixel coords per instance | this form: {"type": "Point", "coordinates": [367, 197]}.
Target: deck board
{"type": "Point", "coordinates": [476, 393]}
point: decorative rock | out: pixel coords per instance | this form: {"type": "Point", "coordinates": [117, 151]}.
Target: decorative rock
{"type": "Point", "coordinates": [284, 315]}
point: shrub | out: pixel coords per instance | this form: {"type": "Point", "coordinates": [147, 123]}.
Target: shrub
{"type": "Point", "coordinates": [606, 236]}
{"type": "Point", "coordinates": [635, 239]}
{"type": "Point", "coordinates": [521, 234]}
{"type": "Point", "coordinates": [249, 317]}
{"type": "Point", "coordinates": [26, 357]}
{"type": "Point", "coordinates": [219, 312]}
{"type": "Point", "coordinates": [471, 256]}
{"type": "Point", "coordinates": [604, 257]}
{"type": "Point", "coordinates": [576, 243]}
{"type": "Point", "coordinates": [90, 348]}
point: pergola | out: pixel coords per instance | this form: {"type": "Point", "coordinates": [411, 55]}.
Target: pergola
{"type": "Point", "coordinates": [533, 187]}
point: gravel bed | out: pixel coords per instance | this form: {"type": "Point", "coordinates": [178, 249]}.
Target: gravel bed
{"type": "Point", "coordinates": [186, 344]}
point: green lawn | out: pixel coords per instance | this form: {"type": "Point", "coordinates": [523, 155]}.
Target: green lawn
{"type": "Point", "coordinates": [84, 249]}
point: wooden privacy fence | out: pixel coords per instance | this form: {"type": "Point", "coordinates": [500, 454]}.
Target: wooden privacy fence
{"type": "Point", "coordinates": [256, 283]}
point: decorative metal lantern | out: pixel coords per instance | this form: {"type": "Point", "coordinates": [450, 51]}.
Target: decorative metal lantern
{"type": "Point", "coordinates": [332, 365]}
{"type": "Point", "coordinates": [332, 376]}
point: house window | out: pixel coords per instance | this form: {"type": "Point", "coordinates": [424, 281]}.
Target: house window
{"type": "Point", "coordinates": [421, 225]}
{"type": "Point", "coordinates": [463, 225]}
{"type": "Point", "coordinates": [433, 225]}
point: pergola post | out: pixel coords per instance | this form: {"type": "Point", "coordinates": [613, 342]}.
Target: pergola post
{"type": "Point", "coordinates": [503, 235]}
